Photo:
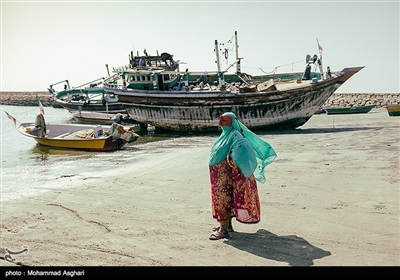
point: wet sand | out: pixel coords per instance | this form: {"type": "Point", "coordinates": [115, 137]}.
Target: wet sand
{"type": "Point", "coordinates": [331, 199]}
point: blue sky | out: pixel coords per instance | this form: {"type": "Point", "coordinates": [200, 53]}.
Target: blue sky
{"type": "Point", "coordinates": [43, 42]}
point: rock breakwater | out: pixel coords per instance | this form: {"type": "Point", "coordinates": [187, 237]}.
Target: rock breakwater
{"type": "Point", "coordinates": [336, 100]}
{"type": "Point", "coordinates": [361, 99]}
{"type": "Point", "coordinates": [27, 98]}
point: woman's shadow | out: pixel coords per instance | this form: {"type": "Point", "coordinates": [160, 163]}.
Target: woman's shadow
{"type": "Point", "coordinates": [291, 249]}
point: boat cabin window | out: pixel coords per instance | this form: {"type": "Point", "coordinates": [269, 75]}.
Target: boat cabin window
{"type": "Point", "coordinates": [135, 78]}
{"type": "Point", "coordinates": [140, 78]}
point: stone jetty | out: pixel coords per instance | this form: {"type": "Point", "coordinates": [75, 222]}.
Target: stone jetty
{"type": "Point", "coordinates": [26, 98]}
{"type": "Point", "coordinates": [336, 100]}
{"type": "Point", "coordinates": [361, 99]}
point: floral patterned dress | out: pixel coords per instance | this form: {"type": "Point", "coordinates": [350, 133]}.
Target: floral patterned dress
{"type": "Point", "coordinates": [232, 195]}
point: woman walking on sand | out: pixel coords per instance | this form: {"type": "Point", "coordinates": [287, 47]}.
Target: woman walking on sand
{"type": "Point", "coordinates": [237, 159]}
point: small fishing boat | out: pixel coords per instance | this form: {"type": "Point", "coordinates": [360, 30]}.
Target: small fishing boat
{"type": "Point", "coordinates": [349, 110]}
{"type": "Point", "coordinates": [393, 109]}
{"type": "Point", "coordinates": [77, 136]}
{"type": "Point", "coordinates": [193, 102]}
{"type": "Point", "coordinates": [83, 137]}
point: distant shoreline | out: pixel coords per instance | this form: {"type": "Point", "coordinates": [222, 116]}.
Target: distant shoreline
{"type": "Point", "coordinates": [28, 98]}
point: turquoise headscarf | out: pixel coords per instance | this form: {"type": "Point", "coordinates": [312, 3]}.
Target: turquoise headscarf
{"type": "Point", "coordinates": [250, 153]}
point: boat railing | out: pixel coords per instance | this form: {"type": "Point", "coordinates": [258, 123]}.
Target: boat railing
{"type": "Point", "coordinates": [112, 78]}
{"type": "Point", "coordinates": [91, 84]}
{"type": "Point", "coordinates": [122, 68]}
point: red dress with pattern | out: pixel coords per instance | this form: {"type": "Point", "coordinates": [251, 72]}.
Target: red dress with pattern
{"type": "Point", "coordinates": [232, 195]}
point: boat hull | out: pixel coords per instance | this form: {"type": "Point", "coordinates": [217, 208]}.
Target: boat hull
{"type": "Point", "coordinates": [107, 144]}
{"type": "Point", "coordinates": [393, 109]}
{"type": "Point", "coordinates": [115, 107]}
{"type": "Point", "coordinates": [349, 110]}
{"type": "Point", "coordinates": [93, 117]}
{"type": "Point", "coordinates": [199, 111]}
{"type": "Point", "coordinates": [54, 139]}
{"type": "Point", "coordinates": [92, 99]}
{"type": "Point", "coordinates": [89, 120]}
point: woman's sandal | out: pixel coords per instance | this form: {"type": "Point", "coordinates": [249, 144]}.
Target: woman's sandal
{"type": "Point", "coordinates": [219, 234]}
{"type": "Point", "coordinates": [230, 229]}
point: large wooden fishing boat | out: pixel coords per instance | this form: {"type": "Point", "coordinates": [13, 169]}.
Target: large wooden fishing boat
{"type": "Point", "coordinates": [193, 102]}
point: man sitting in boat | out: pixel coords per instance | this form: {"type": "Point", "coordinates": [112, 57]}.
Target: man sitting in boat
{"type": "Point", "coordinates": [40, 125]}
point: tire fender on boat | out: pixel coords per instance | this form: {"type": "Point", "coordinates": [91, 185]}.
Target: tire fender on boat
{"type": "Point", "coordinates": [226, 53]}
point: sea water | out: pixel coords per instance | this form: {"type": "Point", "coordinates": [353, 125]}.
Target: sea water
{"type": "Point", "coordinates": [28, 168]}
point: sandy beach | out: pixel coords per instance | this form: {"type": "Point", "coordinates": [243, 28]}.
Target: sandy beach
{"type": "Point", "coordinates": [331, 199]}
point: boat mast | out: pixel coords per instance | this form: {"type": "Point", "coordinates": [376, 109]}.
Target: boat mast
{"type": "Point", "coordinates": [221, 80]}
{"type": "Point", "coordinates": [238, 71]}
{"type": "Point", "coordinates": [217, 55]}
{"type": "Point", "coordinates": [237, 61]}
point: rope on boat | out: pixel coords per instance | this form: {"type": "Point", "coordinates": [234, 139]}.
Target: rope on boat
{"type": "Point", "coordinates": [272, 72]}
{"type": "Point", "coordinates": [276, 67]}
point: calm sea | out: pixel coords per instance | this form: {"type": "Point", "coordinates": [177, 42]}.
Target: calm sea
{"type": "Point", "coordinates": [27, 168]}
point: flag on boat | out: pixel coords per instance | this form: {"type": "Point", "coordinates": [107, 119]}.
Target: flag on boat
{"type": "Point", "coordinates": [319, 46]}
{"type": "Point", "coordinates": [40, 106]}
{"type": "Point", "coordinates": [11, 118]}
